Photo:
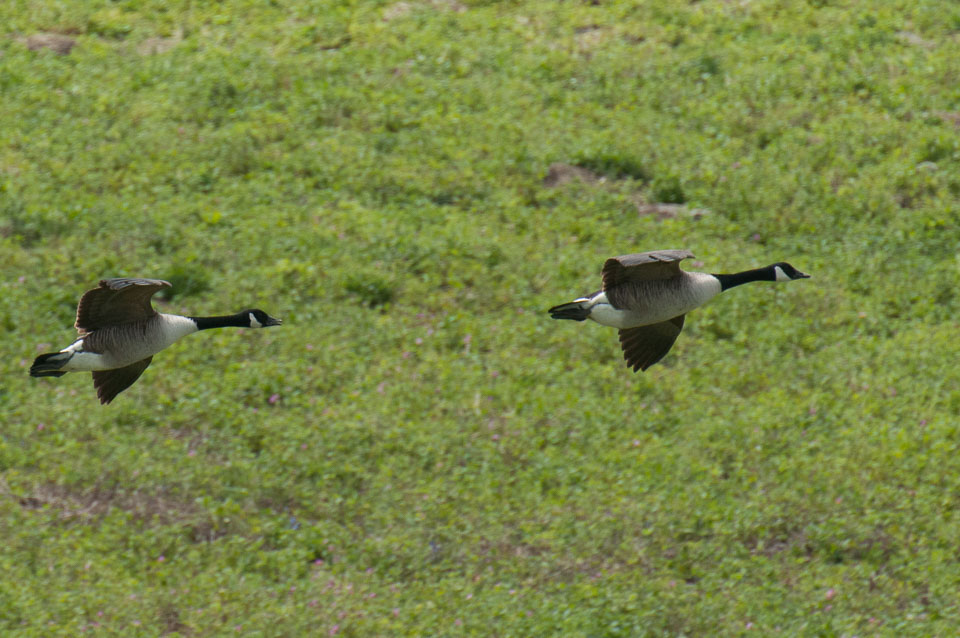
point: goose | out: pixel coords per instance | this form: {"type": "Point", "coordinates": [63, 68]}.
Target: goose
{"type": "Point", "coordinates": [646, 295]}
{"type": "Point", "coordinates": [119, 332]}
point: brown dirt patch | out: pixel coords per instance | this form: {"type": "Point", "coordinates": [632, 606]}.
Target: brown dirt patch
{"type": "Point", "coordinates": [559, 174]}
{"type": "Point", "coordinates": [56, 42]}
{"type": "Point", "coordinates": [157, 46]}
{"type": "Point", "coordinates": [667, 211]}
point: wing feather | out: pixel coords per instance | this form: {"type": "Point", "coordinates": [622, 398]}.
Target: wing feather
{"type": "Point", "coordinates": [110, 383]}
{"type": "Point", "coordinates": [117, 301]}
{"type": "Point", "coordinates": [643, 346]}
{"type": "Point", "coordinates": [659, 264]}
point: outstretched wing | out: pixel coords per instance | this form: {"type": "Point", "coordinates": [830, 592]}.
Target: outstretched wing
{"type": "Point", "coordinates": [110, 383]}
{"type": "Point", "coordinates": [117, 301]}
{"type": "Point", "coordinates": [645, 345]}
{"type": "Point", "coordinates": [659, 264]}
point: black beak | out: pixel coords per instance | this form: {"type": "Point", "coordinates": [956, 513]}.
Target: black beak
{"type": "Point", "coordinates": [802, 275]}
{"type": "Point", "coordinates": [272, 322]}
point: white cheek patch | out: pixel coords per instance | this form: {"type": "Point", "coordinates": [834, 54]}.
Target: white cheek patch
{"type": "Point", "coordinates": [779, 274]}
{"type": "Point", "coordinates": [253, 322]}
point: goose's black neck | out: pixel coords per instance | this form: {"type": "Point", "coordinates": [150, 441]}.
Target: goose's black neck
{"type": "Point", "coordinates": [239, 320]}
{"type": "Point", "coordinates": [766, 273]}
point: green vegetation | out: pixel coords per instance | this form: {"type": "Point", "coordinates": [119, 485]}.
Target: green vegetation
{"type": "Point", "coordinates": [420, 450]}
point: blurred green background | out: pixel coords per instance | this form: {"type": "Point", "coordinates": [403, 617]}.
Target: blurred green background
{"type": "Point", "coordinates": [420, 450]}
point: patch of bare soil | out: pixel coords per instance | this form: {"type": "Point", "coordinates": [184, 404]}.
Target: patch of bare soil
{"type": "Point", "coordinates": [56, 42]}
{"type": "Point", "coordinates": [559, 173]}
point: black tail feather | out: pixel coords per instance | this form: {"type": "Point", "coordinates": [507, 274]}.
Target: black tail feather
{"type": "Point", "coordinates": [571, 310]}
{"type": "Point", "coordinates": [49, 364]}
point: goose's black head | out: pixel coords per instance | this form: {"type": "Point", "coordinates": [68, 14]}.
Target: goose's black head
{"type": "Point", "coordinates": [260, 319]}
{"type": "Point", "coordinates": [785, 272]}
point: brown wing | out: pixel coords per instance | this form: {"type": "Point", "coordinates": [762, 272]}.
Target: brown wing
{"type": "Point", "coordinates": [110, 383]}
{"type": "Point", "coordinates": [645, 345]}
{"type": "Point", "coordinates": [117, 301]}
{"type": "Point", "coordinates": [659, 264]}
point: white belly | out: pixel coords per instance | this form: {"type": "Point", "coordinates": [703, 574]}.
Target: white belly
{"type": "Point", "coordinates": [125, 345]}
{"type": "Point", "coordinates": [85, 361]}
{"type": "Point", "coordinates": [88, 362]}
{"type": "Point", "coordinates": [606, 315]}
{"type": "Point", "coordinates": [657, 301]}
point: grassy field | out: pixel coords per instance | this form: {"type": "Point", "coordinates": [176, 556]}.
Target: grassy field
{"type": "Point", "coordinates": [420, 450]}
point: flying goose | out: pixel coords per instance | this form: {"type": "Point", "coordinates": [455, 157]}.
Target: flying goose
{"type": "Point", "coordinates": [119, 332]}
{"type": "Point", "coordinates": [646, 296]}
